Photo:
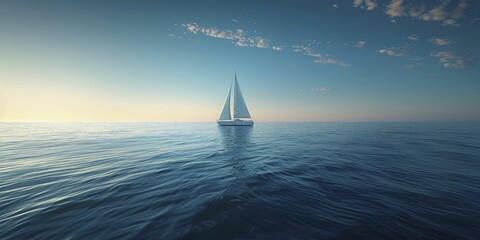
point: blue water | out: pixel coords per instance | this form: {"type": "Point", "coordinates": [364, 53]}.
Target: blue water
{"type": "Point", "coordinates": [273, 181]}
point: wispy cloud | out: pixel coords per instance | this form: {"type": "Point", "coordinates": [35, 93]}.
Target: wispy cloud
{"type": "Point", "coordinates": [394, 51]}
{"type": "Point", "coordinates": [238, 35]}
{"type": "Point", "coordinates": [174, 36]}
{"type": "Point", "coordinates": [440, 41]}
{"type": "Point", "coordinates": [416, 11]}
{"type": "Point", "coordinates": [323, 90]}
{"type": "Point", "coordinates": [360, 44]}
{"type": "Point", "coordinates": [397, 8]}
{"type": "Point", "coordinates": [278, 48]}
{"type": "Point", "coordinates": [451, 22]}
{"type": "Point", "coordinates": [413, 65]}
{"type": "Point", "coordinates": [302, 49]}
{"type": "Point", "coordinates": [258, 42]}
{"type": "Point", "coordinates": [449, 60]}
{"type": "Point", "coordinates": [335, 5]}
{"type": "Point", "coordinates": [388, 52]}
{"type": "Point", "coordinates": [368, 4]}
{"type": "Point", "coordinates": [459, 11]}
{"type": "Point", "coordinates": [332, 61]}
{"type": "Point", "coordinates": [319, 90]}
{"type": "Point", "coordinates": [319, 57]}
{"type": "Point", "coordinates": [413, 38]}
{"type": "Point", "coordinates": [419, 59]}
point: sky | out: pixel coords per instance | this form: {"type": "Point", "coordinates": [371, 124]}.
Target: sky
{"type": "Point", "coordinates": [358, 60]}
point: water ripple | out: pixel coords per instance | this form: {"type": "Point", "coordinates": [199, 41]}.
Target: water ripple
{"type": "Point", "coordinates": [272, 181]}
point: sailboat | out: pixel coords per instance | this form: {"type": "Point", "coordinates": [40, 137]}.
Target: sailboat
{"type": "Point", "coordinates": [241, 116]}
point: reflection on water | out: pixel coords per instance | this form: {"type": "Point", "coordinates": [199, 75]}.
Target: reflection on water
{"type": "Point", "coordinates": [235, 139]}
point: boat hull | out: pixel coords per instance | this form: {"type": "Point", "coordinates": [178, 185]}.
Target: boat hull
{"type": "Point", "coordinates": [236, 122]}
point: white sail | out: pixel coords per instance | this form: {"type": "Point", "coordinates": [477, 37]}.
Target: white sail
{"type": "Point", "coordinates": [225, 115]}
{"type": "Point", "coordinates": [240, 109]}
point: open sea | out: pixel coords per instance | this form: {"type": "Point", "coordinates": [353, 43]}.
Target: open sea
{"type": "Point", "coordinates": [271, 181]}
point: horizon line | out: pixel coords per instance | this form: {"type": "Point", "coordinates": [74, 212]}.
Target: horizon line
{"type": "Point", "coordinates": [348, 121]}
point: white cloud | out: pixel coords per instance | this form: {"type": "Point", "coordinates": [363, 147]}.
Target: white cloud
{"type": "Point", "coordinates": [239, 35]}
{"type": "Point", "coordinates": [323, 90]}
{"type": "Point", "coordinates": [335, 5]}
{"type": "Point", "coordinates": [301, 49]}
{"type": "Point", "coordinates": [413, 38]}
{"type": "Point", "coordinates": [332, 61]}
{"type": "Point", "coordinates": [234, 20]}
{"type": "Point", "coordinates": [360, 44]}
{"type": "Point", "coordinates": [320, 58]}
{"type": "Point", "coordinates": [368, 4]}
{"type": "Point", "coordinates": [451, 22]}
{"type": "Point", "coordinates": [278, 48]}
{"type": "Point", "coordinates": [258, 42]}
{"type": "Point", "coordinates": [416, 11]}
{"type": "Point", "coordinates": [440, 41]}
{"type": "Point", "coordinates": [192, 27]}
{"type": "Point", "coordinates": [394, 51]}
{"type": "Point", "coordinates": [437, 13]}
{"type": "Point", "coordinates": [449, 60]}
{"type": "Point", "coordinates": [388, 52]}
{"type": "Point", "coordinates": [319, 90]}
{"type": "Point", "coordinates": [395, 8]}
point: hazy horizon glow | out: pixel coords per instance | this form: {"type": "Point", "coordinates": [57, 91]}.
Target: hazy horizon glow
{"type": "Point", "coordinates": [173, 61]}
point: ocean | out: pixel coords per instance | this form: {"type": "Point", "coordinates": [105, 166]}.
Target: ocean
{"type": "Point", "coordinates": [271, 181]}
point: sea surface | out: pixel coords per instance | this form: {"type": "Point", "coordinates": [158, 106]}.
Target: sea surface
{"type": "Point", "coordinates": [271, 181]}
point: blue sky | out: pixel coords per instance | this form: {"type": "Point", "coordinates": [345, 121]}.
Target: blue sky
{"type": "Point", "coordinates": [355, 60]}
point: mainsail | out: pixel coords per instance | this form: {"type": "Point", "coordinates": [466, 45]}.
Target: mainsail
{"type": "Point", "coordinates": [225, 115]}
{"type": "Point", "coordinates": [240, 109]}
